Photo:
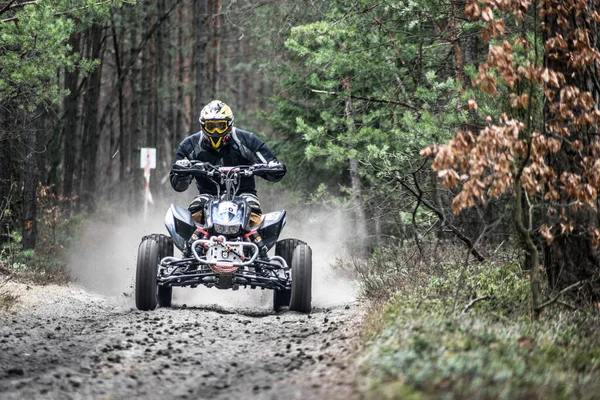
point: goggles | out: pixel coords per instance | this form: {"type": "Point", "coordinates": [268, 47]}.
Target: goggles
{"type": "Point", "coordinates": [215, 126]}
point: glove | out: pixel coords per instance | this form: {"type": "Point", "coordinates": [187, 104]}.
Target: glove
{"type": "Point", "coordinates": [271, 171]}
{"type": "Point", "coordinates": [181, 164]}
{"type": "Point", "coordinates": [184, 162]}
{"type": "Point", "coordinates": [274, 172]}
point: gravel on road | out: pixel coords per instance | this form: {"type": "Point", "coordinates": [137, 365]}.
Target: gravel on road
{"type": "Point", "coordinates": [65, 343]}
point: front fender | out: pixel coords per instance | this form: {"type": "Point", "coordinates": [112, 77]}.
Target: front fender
{"type": "Point", "coordinates": [271, 227]}
{"type": "Point", "coordinates": [180, 224]}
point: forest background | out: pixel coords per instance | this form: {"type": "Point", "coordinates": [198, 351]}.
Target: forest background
{"type": "Point", "coordinates": [461, 136]}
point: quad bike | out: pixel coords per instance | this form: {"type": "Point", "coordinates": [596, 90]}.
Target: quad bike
{"type": "Point", "coordinates": [225, 251]}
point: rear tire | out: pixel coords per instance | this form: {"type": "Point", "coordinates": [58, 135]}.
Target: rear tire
{"type": "Point", "coordinates": [281, 299]}
{"type": "Point", "coordinates": [164, 296]}
{"type": "Point", "coordinates": [284, 249]}
{"type": "Point", "coordinates": [301, 279]}
{"type": "Point", "coordinates": [145, 279]}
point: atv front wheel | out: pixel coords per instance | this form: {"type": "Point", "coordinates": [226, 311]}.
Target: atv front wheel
{"type": "Point", "coordinates": [145, 278]}
{"type": "Point", "coordinates": [301, 279]}
{"type": "Point", "coordinates": [165, 249]}
{"type": "Point", "coordinates": [284, 249]}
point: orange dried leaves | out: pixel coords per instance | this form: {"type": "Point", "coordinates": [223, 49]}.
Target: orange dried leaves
{"type": "Point", "coordinates": [546, 234]}
{"type": "Point", "coordinates": [499, 58]}
{"type": "Point", "coordinates": [485, 160]}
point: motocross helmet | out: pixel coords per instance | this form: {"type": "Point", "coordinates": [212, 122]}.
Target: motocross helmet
{"type": "Point", "coordinates": [216, 119]}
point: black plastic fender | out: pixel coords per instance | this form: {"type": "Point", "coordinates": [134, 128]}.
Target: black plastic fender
{"type": "Point", "coordinates": [271, 227]}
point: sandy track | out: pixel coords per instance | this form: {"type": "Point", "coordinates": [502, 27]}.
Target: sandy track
{"type": "Point", "coordinates": [63, 343]}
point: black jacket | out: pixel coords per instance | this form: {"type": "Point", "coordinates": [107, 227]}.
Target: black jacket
{"type": "Point", "coordinates": [242, 148]}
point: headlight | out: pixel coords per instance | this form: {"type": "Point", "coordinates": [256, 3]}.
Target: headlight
{"type": "Point", "coordinates": [227, 229]}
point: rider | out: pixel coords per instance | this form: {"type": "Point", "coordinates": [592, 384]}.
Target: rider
{"type": "Point", "coordinates": [221, 144]}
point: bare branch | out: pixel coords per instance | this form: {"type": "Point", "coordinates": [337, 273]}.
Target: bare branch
{"type": "Point", "coordinates": [7, 7]}
{"type": "Point", "coordinates": [565, 290]}
{"type": "Point", "coordinates": [475, 301]}
{"type": "Point", "coordinates": [21, 5]}
{"type": "Point", "coordinates": [371, 99]}
{"type": "Point", "coordinates": [570, 306]}
{"type": "Point", "coordinates": [454, 230]}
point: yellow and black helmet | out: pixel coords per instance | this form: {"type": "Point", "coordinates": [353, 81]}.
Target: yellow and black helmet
{"type": "Point", "coordinates": [216, 119]}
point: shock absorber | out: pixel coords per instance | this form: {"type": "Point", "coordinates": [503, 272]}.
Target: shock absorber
{"type": "Point", "coordinates": [198, 233]}
{"type": "Point", "coordinates": [257, 239]}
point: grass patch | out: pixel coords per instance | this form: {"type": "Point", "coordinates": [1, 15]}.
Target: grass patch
{"type": "Point", "coordinates": [38, 269]}
{"type": "Point", "coordinates": [420, 353]}
{"type": "Point", "coordinates": [422, 343]}
{"type": "Point", "coordinates": [7, 299]}
{"type": "Point", "coordinates": [46, 264]}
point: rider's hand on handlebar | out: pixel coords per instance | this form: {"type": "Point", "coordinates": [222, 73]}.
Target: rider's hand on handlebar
{"type": "Point", "coordinates": [265, 169]}
{"type": "Point", "coordinates": [184, 163]}
{"type": "Point", "coordinates": [195, 168]}
{"type": "Point", "coordinates": [187, 164]}
{"type": "Point", "coordinates": [182, 167]}
{"type": "Point", "coordinates": [270, 165]}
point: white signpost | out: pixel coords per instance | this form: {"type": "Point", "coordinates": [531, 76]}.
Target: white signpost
{"type": "Point", "coordinates": [147, 162]}
{"type": "Point", "coordinates": [148, 154]}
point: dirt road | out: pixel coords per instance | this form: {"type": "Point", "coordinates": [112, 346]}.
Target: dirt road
{"type": "Point", "coordinates": [64, 343]}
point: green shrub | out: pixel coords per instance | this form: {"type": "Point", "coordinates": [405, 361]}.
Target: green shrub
{"type": "Point", "coordinates": [29, 266]}
{"type": "Point", "coordinates": [44, 265]}
{"type": "Point", "coordinates": [425, 345]}
{"type": "Point", "coordinates": [399, 268]}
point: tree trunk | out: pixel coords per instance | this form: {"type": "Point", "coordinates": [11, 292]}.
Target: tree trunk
{"type": "Point", "coordinates": [153, 100]}
{"type": "Point", "coordinates": [30, 182]}
{"type": "Point", "coordinates": [570, 257]}
{"type": "Point", "coordinates": [377, 225]}
{"type": "Point", "coordinates": [532, 252]}
{"type": "Point", "coordinates": [471, 51]}
{"type": "Point", "coordinates": [359, 208]}
{"type": "Point", "coordinates": [180, 131]}
{"type": "Point", "coordinates": [91, 133]}
{"type": "Point", "coordinates": [201, 26]}
{"type": "Point", "coordinates": [136, 126]}
{"type": "Point", "coordinates": [123, 141]}
{"type": "Point", "coordinates": [455, 42]}
{"type": "Point", "coordinates": [78, 145]}
{"type": "Point", "coordinates": [70, 126]}
{"type": "Point", "coordinates": [162, 126]}
{"type": "Point", "coordinates": [7, 178]}
{"type": "Point", "coordinates": [189, 124]}
{"type": "Point", "coordinates": [152, 92]}
{"type": "Point", "coordinates": [216, 75]}
{"type": "Point", "coordinates": [145, 107]}
{"type": "Point", "coordinates": [471, 55]}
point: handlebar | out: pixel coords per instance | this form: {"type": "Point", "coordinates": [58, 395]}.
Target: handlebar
{"type": "Point", "coordinates": [202, 169]}
{"type": "Point", "coordinates": [227, 176]}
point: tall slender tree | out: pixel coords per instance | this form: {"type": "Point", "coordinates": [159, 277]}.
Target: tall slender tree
{"type": "Point", "coordinates": [201, 38]}
{"type": "Point", "coordinates": [70, 105]}
{"type": "Point", "coordinates": [570, 114]}
{"type": "Point", "coordinates": [91, 133]}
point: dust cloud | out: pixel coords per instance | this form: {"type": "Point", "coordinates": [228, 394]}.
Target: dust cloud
{"type": "Point", "coordinates": [327, 231]}
{"type": "Point", "coordinates": [104, 261]}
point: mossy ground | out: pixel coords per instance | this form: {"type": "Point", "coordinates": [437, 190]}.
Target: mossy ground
{"type": "Point", "coordinates": [422, 343]}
